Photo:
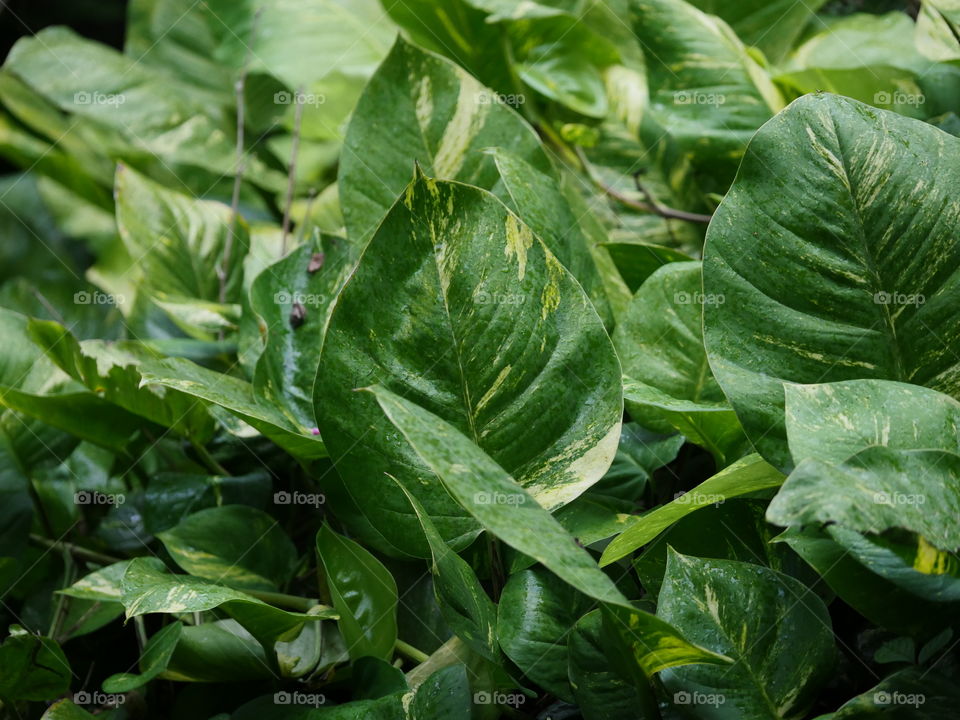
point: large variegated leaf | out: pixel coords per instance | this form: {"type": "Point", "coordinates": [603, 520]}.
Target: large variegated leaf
{"type": "Point", "coordinates": [459, 307]}
{"type": "Point", "coordinates": [705, 88]}
{"type": "Point", "coordinates": [771, 25]}
{"type": "Point", "coordinates": [777, 631]}
{"type": "Point", "coordinates": [836, 253]}
{"type": "Point", "coordinates": [668, 384]}
{"type": "Point", "coordinates": [875, 490]}
{"type": "Point", "coordinates": [833, 421]}
{"type": "Point", "coordinates": [440, 117]}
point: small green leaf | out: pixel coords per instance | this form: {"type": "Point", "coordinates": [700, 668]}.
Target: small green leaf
{"type": "Point", "coordinates": [153, 661]}
{"type": "Point", "coordinates": [364, 593]}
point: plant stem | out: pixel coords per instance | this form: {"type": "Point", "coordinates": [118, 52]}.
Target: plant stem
{"type": "Point", "coordinates": [208, 460]}
{"type": "Point", "coordinates": [292, 177]}
{"type": "Point", "coordinates": [410, 652]}
{"type": "Point", "coordinates": [651, 207]}
{"type": "Point", "coordinates": [224, 270]}
{"type": "Point", "coordinates": [75, 550]}
{"type": "Point", "coordinates": [294, 602]}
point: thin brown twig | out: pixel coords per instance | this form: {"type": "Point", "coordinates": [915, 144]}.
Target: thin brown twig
{"type": "Point", "coordinates": [292, 177]}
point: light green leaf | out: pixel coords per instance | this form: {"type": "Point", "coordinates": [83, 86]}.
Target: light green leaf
{"type": "Point", "coordinates": [832, 421]}
{"type": "Point", "coordinates": [471, 316]}
{"type": "Point", "coordinates": [441, 118]}
{"type": "Point", "coordinates": [364, 593]}
{"type": "Point", "coordinates": [775, 628]}
{"type": "Point", "coordinates": [149, 588]}
{"type": "Point", "coordinates": [668, 383]}
{"type": "Point", "coordinates": [747, 475]}
{"type": "Point", "coordinates": [938, 26]}
{"type": "Point", "coordinates": [833, 275]}
{"type": "Point", "coordinates": [179, 242]}
{"type": "Point", "coordinates": [236, 545]}
{"type": "Point", "coordinates": [237, 397]}
{"type": "Point", "coordinates": [877, 489]}
{"type": "Point", "coordinates": [705, 88]}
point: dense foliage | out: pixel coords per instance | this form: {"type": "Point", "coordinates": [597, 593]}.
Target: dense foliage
{"type": "Point", "coordinates": [463, 359]}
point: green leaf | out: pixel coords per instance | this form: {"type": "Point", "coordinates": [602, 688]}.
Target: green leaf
{"type": "Point", "coordinates": [153, 661]}
{"type": "Point", "coordinates": [237, 397]}
{"type": "Point", "coordinates": [286, 370]}
{"type": "Point", "coordinates": [534, 622]}
{"type": "Point", "coordinates": [445, 694]}
{"type": "Point", "coordinates": [463, 602]}
{"type": "Point", "coordinates": [599, 692]}
{"type": "Point", "coordinates": [220, 652]}
{"type": "Point", "coordinates": [773, 27]}
{"type": "Point", "coordinates": [705, 88]}
{"type": "Point", "coordinates": [831, 276]}
{"type": "Point", "coordinates": [938, 25]}
{"type": "Point", "coordinates": [747, 475]}
{"type": "Point", "coordinates": [32, 667]}
{"type": "Point", "coordinates": [501, 331]}
{"type": "Point", "coordinates": [364, 593]}
{"type": "Point", "coordinates": [236, 545]}
{"type": "Point", "coordinates": [104, 585]}
{"type": "Point", "coordinates": [180, 242]}
{"type": "Point", "coordinates": [149, 588]}
{"type": "Point", "coordinates": [912, 692]}
{"type": "Point", "coordinates": [832, 421]}
{"type": "Point", "coordinates": [506, 510]}
{"type": "Point", "coordinates": [495, 499]}
{"type": "Point", "coordinates": [66, 710]}
{"type": "Point", "coordinates": [668, 384]}
{"type": "Point", "coordinates": [537, 198]}
{"type": "Point", "coordinates": [440, 117]}
{"type": "Point", "coordinates": [111, 371]}
{"type": "Point", "coordinates": [875, 490]}
{"type": "Point", "coordinates": [778, 632]}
